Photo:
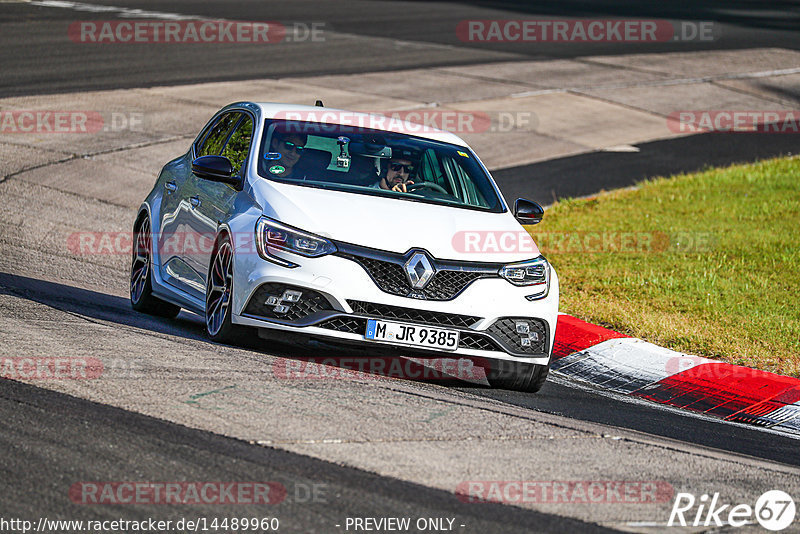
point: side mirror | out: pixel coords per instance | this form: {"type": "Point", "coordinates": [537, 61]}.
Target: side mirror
{"type": "Point", "coordinates": [528, 212]}
{"type": "Point", "coordinates": [216, 169]}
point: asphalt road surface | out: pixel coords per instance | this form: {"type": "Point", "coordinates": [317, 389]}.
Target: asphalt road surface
{"type": "Point", "coordinates": [587, 174]}
{"type": "Point", "coordinates": [93, 442]}
{"type": "Point", "coordinates": [358, 36]}
{"type": "Point", "coordinates": [53, 440]}
{"type": "Point", "coordinates": [172, 406]}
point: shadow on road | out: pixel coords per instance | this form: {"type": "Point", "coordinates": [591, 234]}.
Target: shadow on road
{"type": "Point", "coordinates": [56, 441]}
{"type": "Point", "coordinates": [588, 174]}
{"type": "Point", "coordinates": [310, 358]}
{"type": "Point", "coordinates": [334, 362]}
{"type": "Point", "coordinates": [562, 398]}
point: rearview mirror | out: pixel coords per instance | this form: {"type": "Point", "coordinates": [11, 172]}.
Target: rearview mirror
{"type": "Point", "coordinates": [216, 169]}
{"type": "Point", "coordinates": [528, 212]}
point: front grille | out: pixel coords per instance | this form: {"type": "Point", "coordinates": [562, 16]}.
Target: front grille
{"type": "Point", "coordinates": [505, 331]}
{"type": "Point", "coordinates": [352, 325]}
{"type": "Point", "coordinates": [469, 340]}
{"type": "Point", "coordinates": [310, 302]}
{"type": "Point", "coordinates": [447, 284]}
{"type": "Point", "coordinates": [386, 270]}
{"type": "Point", "coordinates": [384, 311]}
{"type": "Point", "coordinates": [387, 275]}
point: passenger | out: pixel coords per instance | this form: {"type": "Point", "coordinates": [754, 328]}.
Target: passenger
{"type": "Point", "coordinates": [398, 172]}
{"type": "Point", "coordinates": [290, 147]}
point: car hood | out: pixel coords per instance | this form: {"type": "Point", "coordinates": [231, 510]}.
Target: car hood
{"type": "Point", "coordinates": [398, 225]}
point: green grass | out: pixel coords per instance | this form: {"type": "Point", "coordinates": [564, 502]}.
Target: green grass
{"type": "Point", "coordinates": [711, 266]}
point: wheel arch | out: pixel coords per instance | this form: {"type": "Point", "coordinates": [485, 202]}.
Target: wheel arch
{"type": "Point", "coordinates": [222, 230]}
{"type": "Point", "coordinates": [144, 211]}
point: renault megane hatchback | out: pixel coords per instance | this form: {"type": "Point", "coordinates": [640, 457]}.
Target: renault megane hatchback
{"type": "Point", "coordinates": [349, 228]}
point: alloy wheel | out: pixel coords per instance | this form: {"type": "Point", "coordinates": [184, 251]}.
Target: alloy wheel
{"type": "Point", "coordinates": [140, 270]}
{"type": "Point", "coordinates": [220, 283]}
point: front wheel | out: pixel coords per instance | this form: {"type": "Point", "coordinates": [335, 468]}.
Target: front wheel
{"type": "Point", "coordinates": [518, 376]}
{"type": "Point", "coordinates": [142, 298]}
{"type": "Point", "coordinates": [219, 294]}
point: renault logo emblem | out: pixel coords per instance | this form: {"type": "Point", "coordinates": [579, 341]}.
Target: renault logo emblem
{"type": "Point", "coordinates": [419, 270]}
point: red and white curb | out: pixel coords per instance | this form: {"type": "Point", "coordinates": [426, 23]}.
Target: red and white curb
{"type": "Point", "coordinates": [630, 366]}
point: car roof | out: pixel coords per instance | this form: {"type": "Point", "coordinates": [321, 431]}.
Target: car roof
{"type": "Point", "coordinates": [273, 110]}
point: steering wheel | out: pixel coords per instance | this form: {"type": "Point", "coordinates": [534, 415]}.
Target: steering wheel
{"type": "Point", "coordinates": [429, 185]}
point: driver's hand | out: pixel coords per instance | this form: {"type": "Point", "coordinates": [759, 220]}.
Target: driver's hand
{"type": "Point", "coordinates": [401, 187]}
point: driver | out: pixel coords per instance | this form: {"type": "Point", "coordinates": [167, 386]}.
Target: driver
{"type": "Point", "coordinates": [290, 147]}
{"type": "Point", "coordinates": [398, 172]}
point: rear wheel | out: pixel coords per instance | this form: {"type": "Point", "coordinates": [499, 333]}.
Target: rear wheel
{"type": "Point", "coordinates": [518, 376]}
{"type": "Point", "coordinates": [219, 294]}
{"type": "Point", "coordinates": [142, 298]}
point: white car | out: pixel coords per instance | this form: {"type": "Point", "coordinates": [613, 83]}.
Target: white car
{"type": "Point", "coordinates": [346, 227]}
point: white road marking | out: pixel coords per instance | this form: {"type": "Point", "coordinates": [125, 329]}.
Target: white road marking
{"type": "Point", "coordinates": [123, 12]}
{"type": "Point", "coordinates": [626, 364]}
{"type": "Point", "coordinates": [621, 148]}
{"type": "Point", "coordinates": [565, 380]}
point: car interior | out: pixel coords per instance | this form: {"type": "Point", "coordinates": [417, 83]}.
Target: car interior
{"type": "Point", "coordinates": [358, 160]}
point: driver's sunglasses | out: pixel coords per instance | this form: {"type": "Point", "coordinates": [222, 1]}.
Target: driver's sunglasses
{"type": "Point", "coordinates": [291, 146]}
{"type": "Point", "coordinates": [396, 167]}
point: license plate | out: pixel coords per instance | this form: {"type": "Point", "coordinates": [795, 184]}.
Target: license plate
{"type": "Point", "coordinates": [412, 334]}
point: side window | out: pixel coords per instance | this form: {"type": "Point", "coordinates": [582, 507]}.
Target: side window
{"type": "Point", "coordinates": [217, 135]}
{"type": "Point", "coordinates": [451, 169]}
{"type": "Point", "coordinates": [471, 195]}
{"type": "Point", "coordinates": [239, 143]}
{"type": "Point", "coordinates": [460, 183]}
{"type": "Point", "coordinates": [428, 169]}
{"type": "Point", "coordinates": [437, 170]}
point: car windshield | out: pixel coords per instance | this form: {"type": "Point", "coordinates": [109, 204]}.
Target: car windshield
{"type": "Point", "coordinates": [374, 162]}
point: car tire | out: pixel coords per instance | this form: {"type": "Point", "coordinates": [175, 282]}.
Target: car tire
{"type": "Point", "coordinates": [141, 285]}
{"type": "Point", "coordinates": [517, 376]}
{"type": "Point", "coordinates": [219, 294]}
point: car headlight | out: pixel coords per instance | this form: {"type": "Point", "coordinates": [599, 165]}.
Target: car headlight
{"type": "Point", "coordinates": [271, 234]}
{"type": "Point", "coordinates": [534, 273]}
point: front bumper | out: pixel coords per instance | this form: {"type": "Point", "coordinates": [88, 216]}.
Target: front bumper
{"type": "Point", "coordinates": [337, 297]}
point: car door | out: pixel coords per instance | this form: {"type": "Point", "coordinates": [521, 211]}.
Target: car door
{"type": "Point", "coordinates": [178, 243]}
{"type": "Point", "coordinates": [215, 200]}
